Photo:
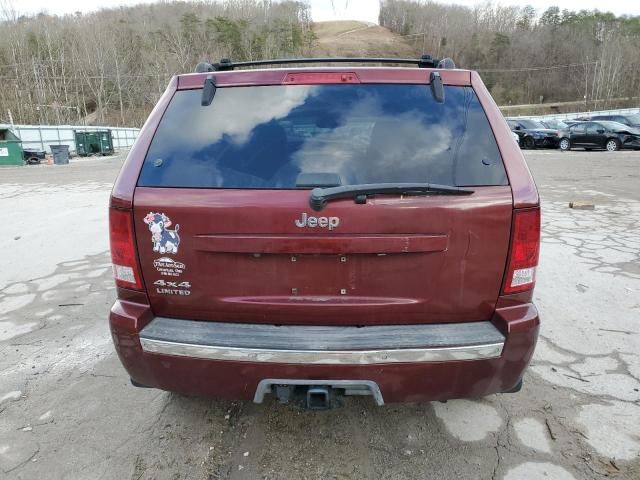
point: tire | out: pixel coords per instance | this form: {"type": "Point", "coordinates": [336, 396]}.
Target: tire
{"type": "Point", "coordinates": [33, 161]}
{"type": "Point", "coordinates": [565, 144]}
{"type": "Point", "coordinates": [612, 145]}
{"type": "Point", "coordinates": [529, 143]}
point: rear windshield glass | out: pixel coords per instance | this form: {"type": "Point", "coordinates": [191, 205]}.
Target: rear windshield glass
{"type": "Point", "coordinates": [266, 137]}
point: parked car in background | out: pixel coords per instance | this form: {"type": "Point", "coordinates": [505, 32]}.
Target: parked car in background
{"type": "Point", "coordinates": [325, 231]}
{"type": "Point", "coordinates": [611, 136]}
{"type": "Point", "coordinates": [533, 133]}
{"type": "Point", "coordinates": [554, 124]}
{"type": "Point", "coordinates": [628, 120]}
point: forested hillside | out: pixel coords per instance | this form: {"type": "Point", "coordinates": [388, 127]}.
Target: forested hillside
{"type": "Point", "coordinates": [110, 67]}
{"type": "Point", "coordinates": [526, 56]}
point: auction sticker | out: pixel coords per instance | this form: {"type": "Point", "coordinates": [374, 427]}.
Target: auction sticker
{"type": "Point", "coordinates": [169, 267]}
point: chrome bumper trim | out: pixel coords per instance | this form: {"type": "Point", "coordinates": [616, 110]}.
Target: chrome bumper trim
{"type": "Point", "coordinates": [328, 357]}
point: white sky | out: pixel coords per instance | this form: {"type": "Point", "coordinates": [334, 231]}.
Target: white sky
{"type": "Point", "coordinates": [365, 10]}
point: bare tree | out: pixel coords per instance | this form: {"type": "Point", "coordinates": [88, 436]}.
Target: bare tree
{"type": "Point", "coordinates": [111, 66]}
{"type": "Point", "coordinates": [527, 55]}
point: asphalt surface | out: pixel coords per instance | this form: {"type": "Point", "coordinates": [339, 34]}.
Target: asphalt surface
{"type": "Point", "coordinates": [67, 410]}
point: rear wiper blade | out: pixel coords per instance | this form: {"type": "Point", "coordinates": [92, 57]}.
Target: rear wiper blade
{"type": "Point", "coordinates": [320, 196]}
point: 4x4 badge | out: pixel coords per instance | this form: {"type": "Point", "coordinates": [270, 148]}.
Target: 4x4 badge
{"type": "Point", "coordinates": [164, 240]}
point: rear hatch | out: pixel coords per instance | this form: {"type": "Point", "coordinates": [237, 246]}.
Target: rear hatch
{"type": "Point", "coordinates": [225, 232]}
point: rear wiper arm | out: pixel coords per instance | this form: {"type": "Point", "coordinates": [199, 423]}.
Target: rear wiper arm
{"type": "Point", "coordinates": [320, 196]}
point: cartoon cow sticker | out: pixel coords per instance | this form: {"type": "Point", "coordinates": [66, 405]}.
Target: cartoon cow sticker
{"type": "Point", "coordinates": [164, 240]}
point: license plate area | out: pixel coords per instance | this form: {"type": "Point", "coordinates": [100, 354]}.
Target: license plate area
{"type": "Point", "coordinates": [338, 274]}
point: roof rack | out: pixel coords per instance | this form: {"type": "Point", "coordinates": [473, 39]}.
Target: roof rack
{"type": "Point", "coordinates": [426, 61]}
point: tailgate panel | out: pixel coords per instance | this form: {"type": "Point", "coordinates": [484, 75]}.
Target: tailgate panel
{"type": "Point", "coordinates": [240, 256]}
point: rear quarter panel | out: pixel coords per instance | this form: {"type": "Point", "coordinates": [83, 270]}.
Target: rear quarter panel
{"type": "Point", "coordinates": [523, 187]}
{"type": "Point", "coordinates": [125, 184]}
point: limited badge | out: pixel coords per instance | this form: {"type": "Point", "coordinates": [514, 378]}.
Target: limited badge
{"type": "Point", "coordinates": [164, 240]}
{"type": "Point", "coordinates": [172, 288]}
{"type": "Point", "coordinates": [169, 267]}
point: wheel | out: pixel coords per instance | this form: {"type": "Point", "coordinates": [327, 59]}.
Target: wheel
{"type": "Point", "coordinates": [33, 161]}
{"type": "Point", "coordinates": [529, 143]}
{"type": "Point", "coordinates": [613, 145]}
{"type": "Point", "coordinates": [565, 144]}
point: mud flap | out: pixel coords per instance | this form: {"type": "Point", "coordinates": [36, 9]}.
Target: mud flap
{"type": "Point", "coordinates": [516, 388]}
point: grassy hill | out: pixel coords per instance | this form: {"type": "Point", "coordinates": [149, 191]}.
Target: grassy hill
{"type": "Point", "coordinates": [358, 39]}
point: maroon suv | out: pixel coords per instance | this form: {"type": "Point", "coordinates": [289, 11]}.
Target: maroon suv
{"type": "Point", "coordinates": [324, 231]}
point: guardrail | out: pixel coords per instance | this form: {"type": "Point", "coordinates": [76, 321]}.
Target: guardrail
{"type": "Point", "coordinates": [39, 137]}
{"type": "Point", "coordinates": [570, 116]}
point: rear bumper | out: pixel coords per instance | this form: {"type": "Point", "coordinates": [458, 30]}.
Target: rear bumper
{"type": "Point", "coordinates": [322, 345]}
{"type": "Point", "coordinates": [222, 361]}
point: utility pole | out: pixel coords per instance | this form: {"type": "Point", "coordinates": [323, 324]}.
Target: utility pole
{"type": "Point", "coordinates": [119, 90]}
{"type": "Point", "coordinates": [35, 83]}
{"type": "Point", "coordinates": [586, 85]}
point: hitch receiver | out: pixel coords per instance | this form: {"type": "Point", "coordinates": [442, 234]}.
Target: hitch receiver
{"type": "Point", "coordinates": [318, 391]}
{"type": "Point", "coordinates": [318, 398]}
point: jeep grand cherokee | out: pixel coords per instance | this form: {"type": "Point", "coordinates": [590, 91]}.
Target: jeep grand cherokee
{"type": "Point", "coordinates": [324, 231]}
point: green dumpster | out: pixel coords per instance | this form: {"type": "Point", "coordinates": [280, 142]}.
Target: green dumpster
{"type": "Point", "coordinates": [93, 142]}
{"type": "Point", "coordinates": [10, 148]}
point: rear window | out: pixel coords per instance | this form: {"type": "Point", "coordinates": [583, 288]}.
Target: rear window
{"type": "Point", "coordinates": [266, 137]}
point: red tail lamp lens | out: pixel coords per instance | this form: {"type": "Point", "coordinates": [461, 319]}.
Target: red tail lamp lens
{"type": "Point", "coordinates": [524, 252]}
{"type": "Point", "coordinates": [123, 249]}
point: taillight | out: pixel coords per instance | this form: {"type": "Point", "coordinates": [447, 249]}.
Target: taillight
{"type": "Point", "coordinates": [523, 252]}
{"type": "Point", "coordinates": [123, 249]}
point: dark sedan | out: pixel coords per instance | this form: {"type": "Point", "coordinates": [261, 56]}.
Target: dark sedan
{"type": "Point", "coordinates": [610, 136]}
{"type": "Point", "coordinates": [533, 133]}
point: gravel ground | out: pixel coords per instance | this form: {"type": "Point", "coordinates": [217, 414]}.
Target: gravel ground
{"type": "Point", "coordinates": [67, 410]}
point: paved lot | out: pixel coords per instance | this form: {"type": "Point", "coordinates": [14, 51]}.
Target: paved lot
{"type": "Point", "coordinates": [67, 409]}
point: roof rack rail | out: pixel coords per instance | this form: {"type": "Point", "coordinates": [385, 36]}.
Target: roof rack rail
{"type": "Point", "coordinates": [426, 61]}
